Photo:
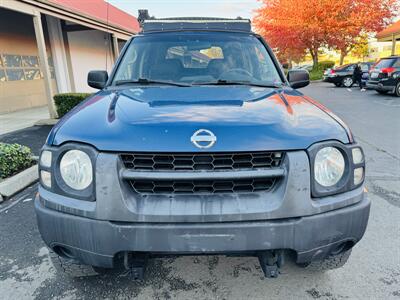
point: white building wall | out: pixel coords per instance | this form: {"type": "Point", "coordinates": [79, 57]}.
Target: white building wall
{"type": "Point", "coordinates": [89, 50]}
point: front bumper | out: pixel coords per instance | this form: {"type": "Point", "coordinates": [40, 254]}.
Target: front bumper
{"type": "Point", "coordinates": [97, 242]}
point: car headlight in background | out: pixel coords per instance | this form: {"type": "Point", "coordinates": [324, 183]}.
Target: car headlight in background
{"type": "Point", "coordinates": [76, 169]}
{"type": "Point", "coordinates": [329, 166]}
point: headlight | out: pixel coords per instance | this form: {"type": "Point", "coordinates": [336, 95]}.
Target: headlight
{"type": "Point", "coordinates": [76, 169]}
{"type": "Point", "coordinates": [329, 166]}
{"type": "Point", "coordinates": [336, 168]}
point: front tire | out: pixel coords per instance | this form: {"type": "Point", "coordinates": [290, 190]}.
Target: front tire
{"type": "Point", "coordinates": [329, 263]}
{"type": "Point", "coordinates": [71, 267]}
{"type": "Point", "coordinates": [347, 82]}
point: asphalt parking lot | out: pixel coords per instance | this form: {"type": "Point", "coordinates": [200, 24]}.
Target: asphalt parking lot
{"type": "Point", "coordinates": [373, 271]}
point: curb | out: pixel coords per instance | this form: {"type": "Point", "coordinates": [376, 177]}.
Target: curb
{"type": "Point", "coordinates": [18, 182]}
{"type": "Point", "coordinates": [46, 122]}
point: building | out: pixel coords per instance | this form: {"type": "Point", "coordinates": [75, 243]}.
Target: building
{"type": "Point", "coordinates": [390, 34]}
{"type": "Point", "coordinates": [48, 47]}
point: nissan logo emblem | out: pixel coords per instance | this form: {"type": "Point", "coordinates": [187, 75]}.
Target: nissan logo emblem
{"type": "Point", "coordinates": [203, 139]}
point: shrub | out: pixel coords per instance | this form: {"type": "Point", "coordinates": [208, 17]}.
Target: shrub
{"type": "Point", "coordinates": [316, 74]}
{"type": "Point", "coordinates": [318, 71]}
{"type": "Point", "coordinates": [13, 159]}
{"type": "Point", "coordinates": [327, 64]}
{"type": "Point", "coordinates": [65, 102]}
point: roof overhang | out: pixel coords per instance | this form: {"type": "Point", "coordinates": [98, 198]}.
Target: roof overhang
{"type": "Point", "coordinates": [389, 38]}
{"type": "Point", "coordinates": [34, 7]}
{"type": "Point", "coordinates": [387, 35]}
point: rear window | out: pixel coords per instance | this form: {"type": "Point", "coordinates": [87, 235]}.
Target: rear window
{"type": "Point", "coordinates": [385, 63]}
{"type": "Point", "coordinates": [345, 67]}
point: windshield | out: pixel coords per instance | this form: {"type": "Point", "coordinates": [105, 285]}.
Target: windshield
{"type": "Point", "coordinates": [196, 58]}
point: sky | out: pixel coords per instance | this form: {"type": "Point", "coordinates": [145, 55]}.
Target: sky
{"type": "Point", "coordinates": [190, 8]}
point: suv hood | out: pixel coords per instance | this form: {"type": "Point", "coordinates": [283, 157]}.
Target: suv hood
{"type": "Point", "coordinates": [163, 119]}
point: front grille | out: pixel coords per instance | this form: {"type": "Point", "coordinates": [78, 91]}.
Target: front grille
{"type": "Point", "coordinates": [201, 161]}
{"type": "Point", "coordinates": [202, 186]}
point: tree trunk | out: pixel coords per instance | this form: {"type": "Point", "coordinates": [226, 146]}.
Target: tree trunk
{"type": "Point", "coordinates": [314, 55]}
{"type": "Point", "coordinates": [342, 56]}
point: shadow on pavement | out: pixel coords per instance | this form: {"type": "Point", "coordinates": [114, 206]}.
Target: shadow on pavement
{"type": "Point", "coordinates": [34, 137]}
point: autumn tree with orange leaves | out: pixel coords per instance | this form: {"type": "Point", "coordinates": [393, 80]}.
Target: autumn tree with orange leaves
{"type": "Point", "coordinates": [295, 27]}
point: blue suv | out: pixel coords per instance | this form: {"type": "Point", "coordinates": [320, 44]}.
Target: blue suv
{"type": "Point", "coordinates": [197, 143]}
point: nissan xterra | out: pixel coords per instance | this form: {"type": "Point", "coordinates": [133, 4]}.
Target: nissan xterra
{"type": "Point", "coordinates": [198, 144]}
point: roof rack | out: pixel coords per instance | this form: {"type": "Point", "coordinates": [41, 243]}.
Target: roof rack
{"type": "Point", "coordinates": [151, 24]}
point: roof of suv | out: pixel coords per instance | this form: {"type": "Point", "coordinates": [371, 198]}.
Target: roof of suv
{"type": "Point", "coordinates": [196, 23]}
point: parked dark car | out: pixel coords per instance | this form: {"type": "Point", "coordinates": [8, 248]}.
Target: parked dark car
{"type": "Point", "coordinates": [343, 75]}
{"type": "Point", "coordinates": [384, 76]}
{"type": "Point", "coordinates": [197, 143]}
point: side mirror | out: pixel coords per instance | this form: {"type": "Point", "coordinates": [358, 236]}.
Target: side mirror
{"type": "Point", "coordinates": [97, 79]}
{"type": "Point", "coordinates": [298, 78]}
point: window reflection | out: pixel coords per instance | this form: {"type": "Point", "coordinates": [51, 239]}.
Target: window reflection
{"type": "Point", "coordinates": [2, 75]}
{"type": "Point", "coordinates": [32, 74]}
{"type": "Point", "coordinates": [15, 74]}
{"type": "Point", "coordinates": [30, 61]}
{"type": "Point", "coordinates": [14, 67]}
{"type": "Point", "coordinates": [12, 61]}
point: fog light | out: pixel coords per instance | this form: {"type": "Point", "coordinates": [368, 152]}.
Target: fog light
{"type": "Point", "coordinates": [358, 175]}
{"type": "Point", "coordinates": [45, 178]}
{"type": "Point", "coordinates": [357, 155]}
{"type": "Point", "coordinates": [45, 159]}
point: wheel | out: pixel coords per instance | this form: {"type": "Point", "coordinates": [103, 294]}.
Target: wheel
{"type": "Point", "coordinates": [347, 81]}
{"type": "Point", "coordinates": [382, 92]}
{"type": "Point", "coordinates": [397, 91]}
{"type": "Point", "coordinates": [329, 263]}
{"type": "Point", "coordinates": [337, 84]}
{"type": "Point", "coordinates": [71, 267]}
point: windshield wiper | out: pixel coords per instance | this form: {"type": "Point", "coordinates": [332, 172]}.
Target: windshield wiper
{"type": "Point", "coordinates": [229, 82]}
{"type": "Point", "coordinates": [146, 81]}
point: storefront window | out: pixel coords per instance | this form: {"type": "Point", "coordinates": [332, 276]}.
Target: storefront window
{"type": "Point", "coordinates": [15, 74]}
{"type": "Point", "coordinates": [12, 61]}
{"type": "Point", "coordinates": [32, 74]}
{"type": "Point", "coordinates": [30, 61]}
{"type": "Point", "coordinates": [15, 67]}
{"type": "Point", "coordinates": [2, 75]}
